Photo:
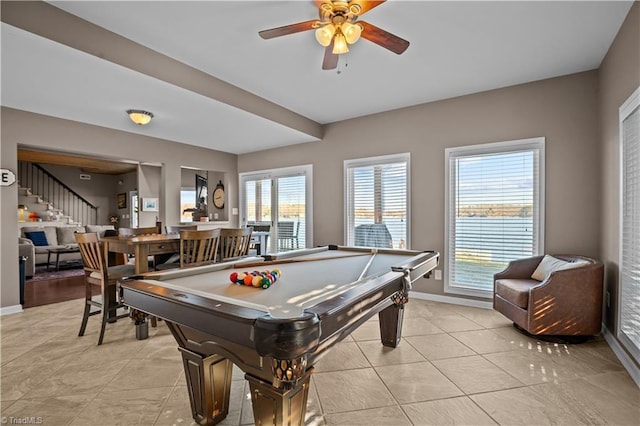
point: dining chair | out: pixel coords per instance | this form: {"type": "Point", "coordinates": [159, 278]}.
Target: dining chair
{"type": "Point", "coordinates": [196, 248]}
{"type": "Point", "coordinates": [98, 274]}
{"type": "Point", "coordinates": [234, 242]}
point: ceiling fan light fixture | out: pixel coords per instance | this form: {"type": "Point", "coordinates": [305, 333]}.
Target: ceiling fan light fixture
{"type": "Point", "coordinates": [351, 32]}
{"type": "Point", "coordinates": [324, 34]}
{"type": "Point", "coordinates": [140, 117]}
{"type": "Point", "coordinates": [340, 44]}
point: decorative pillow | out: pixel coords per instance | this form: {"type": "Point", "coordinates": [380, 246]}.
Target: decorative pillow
{"type": "Point", "coordinates": [66, 234]}
{"type": "Point", "coordinates": [37, 237]}
{"type": "Point", "coordinates": [550, 264]}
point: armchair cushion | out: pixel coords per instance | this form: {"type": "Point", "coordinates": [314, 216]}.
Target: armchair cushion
{"type": "Point", "coordinates": [551, 264]}
{"type": "Point", "coordinates": [515, 291]}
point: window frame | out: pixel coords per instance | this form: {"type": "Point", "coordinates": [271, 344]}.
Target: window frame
{"type": "Point", "coordinates": [376, 161]}
{"type": "Point", "coordinates": [517, 145]}
{"type": "Point", "coordinates": [625, 111]}
{"type": "Point", "coordinates": [274, 174]}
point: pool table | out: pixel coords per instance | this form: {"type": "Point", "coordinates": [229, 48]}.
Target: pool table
{"type": "Point", "coordinates": [275, 335]}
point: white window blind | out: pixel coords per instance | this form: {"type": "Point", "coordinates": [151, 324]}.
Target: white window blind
{"type": "Point", "coordinates": [629, 294]}
{"type": "Point", "coordinates": [493, 211]}
{"type": "Point", "coordinates": [376, 201]}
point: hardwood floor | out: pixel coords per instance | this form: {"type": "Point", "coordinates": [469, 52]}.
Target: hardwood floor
{"type": "Point", "coordinates": [44, 292]}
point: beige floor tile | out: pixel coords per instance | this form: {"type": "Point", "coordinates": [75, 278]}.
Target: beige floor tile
{"type": "Point", "coordinates": [143, 373]}
{"type": "Point", "coordinates": [16, 382]}
{"type": "Point", "coordinates": [76, 379]}
{"type": "Point", "coordinates": [418, 327]}
{"type": "Point", "coordinates": [53, 410]}
{"type": "Point", "coordinates": [485, 341]}
{"type": "Point", "coordinates": [439, 346]}
{"type": "Point", "coordinates": [618, 384]}
{"type": "Point", "coordinates": [378, 354]}
{"type": "Point", "coordinates": [455, 322]}
{"type": "Point", "coordinates": [391, 416]}
{"type": "Point", "coordinates": [343, 356]}
{"type": "Point", "coordinates": [589, 404]}
{"type": "Point", "coordinates": [427, 309]}
{"type": "Point", "coordinates": [351, 390]}
{"type": "Point", "coordinates": [487, 318]}
{"type": "Point", "coordinates": [524, 406]}
{"type": "Point", "coordinates": [474, 374]}
{"type": "Point", "coordinates": [129, 407]}
{"type": "Point", "coordinates": [452, 411]}
{"type": "Point", "coordinates": [520, 340]}
{"type": "Point", "coordinates": [370, 330]}
{"type": "Point", "coordinates": [177, 409]}
{"type": "Point", "coordinates": [533, 367]}
{"type": "Point", "coordinates": [417, 382]}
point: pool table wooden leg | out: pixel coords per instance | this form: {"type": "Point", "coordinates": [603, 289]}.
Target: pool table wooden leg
{"type": "Point", "coordinates": [209, 384]}
{"type": "Point", "coordinates": [391, 325]}
{"type": "Point", "coordinates": [279, 406]}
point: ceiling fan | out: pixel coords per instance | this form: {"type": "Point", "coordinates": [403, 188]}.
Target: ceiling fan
{"type": "Point", "coordinates": [338, 27]}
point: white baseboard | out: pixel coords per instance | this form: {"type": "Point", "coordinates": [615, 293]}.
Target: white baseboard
{"type": "Point", "coordinates": [451, 299]}
{"type": "Point", "coordinates": [7, 310]}
{"type": "Point", "coordinates": [622, 355]}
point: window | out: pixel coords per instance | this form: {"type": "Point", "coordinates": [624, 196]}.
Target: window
{"type": "Point", "coordinates": [494, 211]}
{"type": "Point", "coordinates": [376, 200]}
{"type": "Point", "coordinates": [279, 200]}
{"type": "Point", "coordinates": [629, 294]}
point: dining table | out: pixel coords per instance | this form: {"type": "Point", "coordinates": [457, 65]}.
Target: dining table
{"type": "Point", "coordinates": [141, 247]}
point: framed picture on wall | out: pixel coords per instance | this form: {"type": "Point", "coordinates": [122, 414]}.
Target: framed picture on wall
{"type": "Point", "coordinates": [121, 200]}
{"type": "Point", "coordinates": [149, 204]}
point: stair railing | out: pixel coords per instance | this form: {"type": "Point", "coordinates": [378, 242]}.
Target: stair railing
{"type": "Point", "coordinates": [55, 192]}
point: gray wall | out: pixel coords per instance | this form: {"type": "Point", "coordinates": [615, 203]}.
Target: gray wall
{"type": "Point", "coordinates": [99, 191]}
{"type": "Point", "coordinates": [619, 76]}
{"type": "Point", "coordinates": [39, 131]}
{"type": "Point", "coordinates": [563, 110]}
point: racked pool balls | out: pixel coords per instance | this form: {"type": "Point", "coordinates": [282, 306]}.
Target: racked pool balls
{"type": "Point", "coordinates": [259, 279]}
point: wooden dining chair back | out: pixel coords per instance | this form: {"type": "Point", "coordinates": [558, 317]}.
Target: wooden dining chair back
{"type": "Point", "coordinates": [198, 247]}
{"type": "Point", "coordinates": [234, 242]}
{"type": "Point", "coordinates": [128, 232]}
{"type": "Point", "coordinates": [97, 274]}
{"type": "Point", "coordinates": [176, 229]}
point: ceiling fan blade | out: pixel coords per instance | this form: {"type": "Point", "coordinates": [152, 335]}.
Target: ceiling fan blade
{"type": "Point", "coordinates": [330, 61]}
{"type": "Point", "coordinates": [383, 38]}
{"type": "Point", "coordinates": [367, 5]}
{"type": "Point", "coordinates": [288, 29]}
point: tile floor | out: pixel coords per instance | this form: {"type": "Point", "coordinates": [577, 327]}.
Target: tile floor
{"type": "Point", "coordinates": [456, 365]}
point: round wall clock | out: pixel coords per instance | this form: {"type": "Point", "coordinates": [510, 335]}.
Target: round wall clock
{"type": "Point", "coordinates": [218, 196]}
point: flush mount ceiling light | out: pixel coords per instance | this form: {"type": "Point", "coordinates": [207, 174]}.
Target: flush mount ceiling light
{"type": "Point", "coordinates": [139, 116]}
{"type": "Point", "coordinates": [338, 27]}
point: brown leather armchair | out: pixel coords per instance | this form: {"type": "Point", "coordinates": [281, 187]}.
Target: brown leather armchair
{"type": "Point", "coordinates": [567, 302]}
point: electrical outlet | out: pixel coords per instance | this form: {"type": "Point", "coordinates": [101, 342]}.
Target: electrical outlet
{"type": "Point", "coordinates": [438, 274]}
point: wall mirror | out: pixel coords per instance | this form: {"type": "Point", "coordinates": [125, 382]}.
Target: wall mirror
{"type": "Point", "coordinates": [194, 197]}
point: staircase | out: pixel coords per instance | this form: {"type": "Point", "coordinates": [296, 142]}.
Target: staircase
{"type": "Point", "coordinates": [50, 200]}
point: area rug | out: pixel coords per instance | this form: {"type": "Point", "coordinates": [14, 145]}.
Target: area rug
{"type": "Point", "coordinates": [43, 275]}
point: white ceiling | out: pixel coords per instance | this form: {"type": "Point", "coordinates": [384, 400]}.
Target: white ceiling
{"type": "Point", "coordinates": [457, 48]}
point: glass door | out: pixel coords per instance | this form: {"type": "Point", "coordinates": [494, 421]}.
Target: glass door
{"type": "Point", "coordinates": [276, 204]}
